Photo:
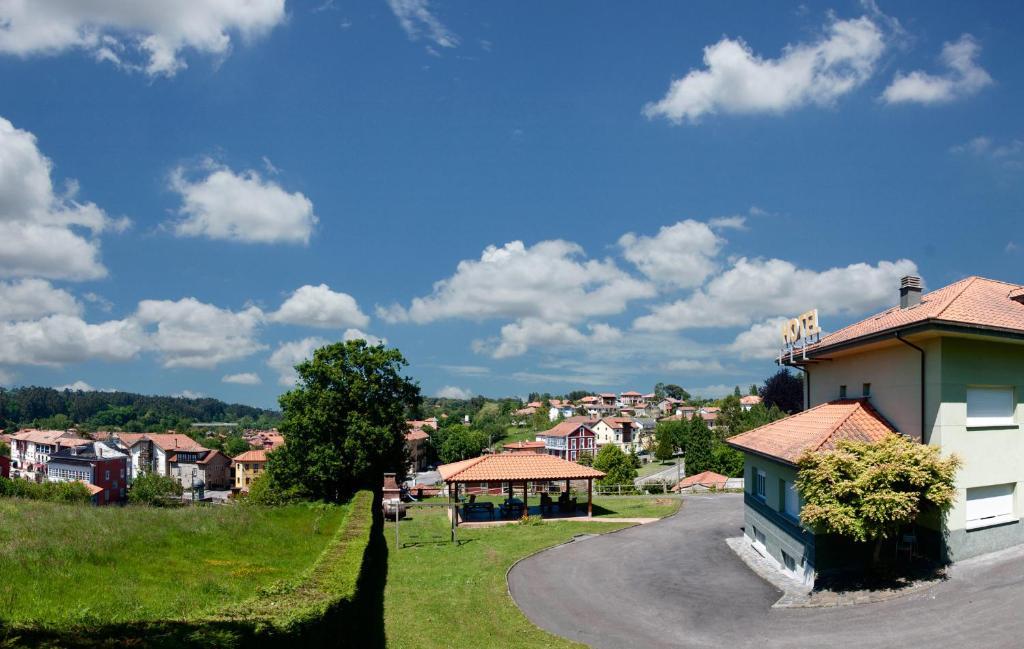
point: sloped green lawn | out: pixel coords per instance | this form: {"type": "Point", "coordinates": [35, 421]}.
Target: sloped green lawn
{"type": "Point", "coordinates": [69, 564]}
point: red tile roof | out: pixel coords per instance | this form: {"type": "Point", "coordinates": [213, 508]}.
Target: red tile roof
{"type": "Point", "coordinates": [750, 399]}
{"type": "Point", "coordinates": [417, 434]}
{"type": "Point", "coordinates": [632, 394]}
{"type": "Point", "coordinates": [164, 441]}
{"type": "Point", "coordinates": [55, 437]}
{"type": "Point", "coordinates": [974, 301]}
{"type": "Point", "coordinates": [523, 444]}
{"type": "Point", "coordinates": [816, 429]}
{"type": "Point", "coordinates": [213, 455]}
{"type": "Point", "coordinates": [564, 428]}
{"type": "Point", "coordinates": [258, 455]}
{"type": "Point", "coordinates": [93, 489]}
{"type": "Point", "coordinates": [515, 466]}
{"type": "Point", "coordinates": [704, 479]}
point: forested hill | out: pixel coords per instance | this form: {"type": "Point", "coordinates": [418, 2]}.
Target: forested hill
{"type": "Point", "coordinates": [59, 409]}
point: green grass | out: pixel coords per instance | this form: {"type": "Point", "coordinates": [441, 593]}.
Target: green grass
{"type": "Point", "coordinates": [80, 565]}
{"type": "Point", "coordinates": [441, 595]}
{"type": "Point", "coordinates": [635, 506]}
{"type": "Point", "coordinates": [517, 434]}
{"type": "Point", "coordinates": [653, 467]}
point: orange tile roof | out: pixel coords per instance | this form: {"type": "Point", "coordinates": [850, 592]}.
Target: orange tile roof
{"type": "Point", "coordinates": [515, 466]}
{"type": "Point", "coordinates": [258, 455]}
{"type": "Point", "coordinates": [704, 479]}
{"type": "Point", "coordinates": [564, 428]}
{"type": "Point", "coordinates": [750, 399]}
{"type": "Point", "coordinates": [631, 393]}
{"type": "Point", "coordinates": [817, 429]}
{"type": "Point", "coordinates": [974, 301]}
{"type": "Point", "coordinates": [93, 489]}
{"type": "Point", "coordinates": [416, 434]}
{"type": "Point", "coordinates": [56, 437]}
{"type": "Point", "coordinates": [211, 456]}
{"type": "Point", "coordinates": [524, 444]}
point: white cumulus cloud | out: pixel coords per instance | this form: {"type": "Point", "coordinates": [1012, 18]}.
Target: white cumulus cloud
{"type": "Point", "coordinates": [319, 306]}
{"type": "Point", "coordinates": [241, 207]}
{"type": "Point", "coordinates": [762, 341]}
{"type": "Point", "coordinates": [132, 34]}
{"type": "Point", "coordinates": [735, 80]}
{"type": "Point", "coordinates": [454, 392]}
{"type": "Point", "coordinates": [680, 255]}
{"type": "Point", "coordinates": [243, 378]}
{"type": "Point", "coordinates": [43, 233]}
{"type": "Point", "coordinates": [761, 288]}
{"type": "Point", "coordinates": [28, 299]}
{"type": "Point", "coordinates": [190, 333]}
{"type": "Point", "coordinates": [963, 78]}
{"type": "Point", "coordinates": [356, 334]}
{"type": "Point", "coordinates": [549, 280]}
{"type": "Point", "coordinates": [289, 354]}
{"type": "Point", "coordinates": [59, 339]}
{"type": "Point", "coordinates": [518, 337]}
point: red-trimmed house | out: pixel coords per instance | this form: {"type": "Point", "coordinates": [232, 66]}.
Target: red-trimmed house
{"type": "Point", "coordinates": [99, 466]}
{"type": "Point", "coordinates": [568, 439]}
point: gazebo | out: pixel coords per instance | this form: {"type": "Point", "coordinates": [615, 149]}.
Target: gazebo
{"type": "Point", "coordinates": [517, 470]}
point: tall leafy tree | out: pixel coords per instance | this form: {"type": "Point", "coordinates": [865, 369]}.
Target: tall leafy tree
{"type": "Point", "coordinates": [344, 423]}
{"type": "Point", "coordinates": [676, 392]}
{"type": "Point", "coordinates": [868, 491]}
{"type": "Point", "coordinates": [784, 390]}
{"type": "Point", "coordinates": [617, 466]}
{"type": "Point", "coordinates": [700, 442]}
{"type": "Point", "coordinates": [461, 443]}
{"type": "Point", "coordinates": [664, 443]}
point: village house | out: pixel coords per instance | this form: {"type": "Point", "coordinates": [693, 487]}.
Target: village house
{"type": "Point", "coordinates": [568, 439]}
{"type": "Point", "coordinates": [265, 439]}
{"type": "Point", "coordinates": [749, 401]}
{"type": "Point", "coordinates": [945, 368]}
{"type": "Point", "coordinates": [416, 446]}
{"type": "Point", "coordinates": [151, 452]}
{"type": "Point", "coordinates": [97, 465]}
{"type": "Point", "coordinates": [202, 467]}
{"type": "Point", "coordinates": [524, 447]}
{"type": "Point", "coordinates": [247, 467]}
{"type": "Point", "coordinates": [560, 409]}
{"type": "Point", "coordinates": [629, 399]}
{"type": "Point", "coordinates": [31, 450]}
{"type": "Point", "coordinates": [614, 430]}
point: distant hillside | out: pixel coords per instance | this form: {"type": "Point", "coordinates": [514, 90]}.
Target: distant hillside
{"type": "Point", "coordinates": [50, 408]}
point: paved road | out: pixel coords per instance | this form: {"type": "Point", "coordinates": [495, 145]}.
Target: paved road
{"type": "Point", "coordinates": [669, 474]}
{"type": "Point", "coordinates": [676, 583]}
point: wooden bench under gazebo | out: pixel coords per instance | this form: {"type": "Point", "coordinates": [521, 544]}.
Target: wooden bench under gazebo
{"type": "Point", "coordinates": [517, 470]}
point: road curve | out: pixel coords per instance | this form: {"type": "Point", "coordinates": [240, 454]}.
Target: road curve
{"type": "Point", "coordinates": [675, 583]}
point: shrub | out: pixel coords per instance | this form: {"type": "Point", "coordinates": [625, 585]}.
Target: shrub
{"type": "Point", "coordinates": [59, 492]}
{"type": "Point", "coordinates": [153, 489]}
{"type": "Point", "coordinates": [265, 490]}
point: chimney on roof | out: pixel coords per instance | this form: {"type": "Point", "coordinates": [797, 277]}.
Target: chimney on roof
{"type": "Point", "coordinates": [910, 291]}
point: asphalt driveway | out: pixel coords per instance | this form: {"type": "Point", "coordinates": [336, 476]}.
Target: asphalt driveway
{"type": "Point", "coordinates": [676, 583]}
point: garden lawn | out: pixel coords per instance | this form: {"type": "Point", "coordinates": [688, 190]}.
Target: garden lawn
{"type": "Point", "coordinates": [635, 506]}
{"type": "Point", "coordinates": [654, 467]}
{"type": "Point", "coordinates": [75, 564]}
{"type": "Point", "coordinates": [443, 595]}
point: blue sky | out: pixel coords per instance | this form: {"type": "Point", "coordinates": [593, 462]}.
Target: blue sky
{"type": "Point", "coordinates": [520, 196]}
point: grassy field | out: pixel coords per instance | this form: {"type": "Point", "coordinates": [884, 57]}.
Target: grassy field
{"type": "Point", "coordinates": [65, 564]}
{"type": "Point", "coordinates": [517, 434]}
{"type": "Point", "coordinates": [440, 595]}
{"type": "Point", "coordinates": [653, 467]}
{"type": "Point", "coordinates": [635, 506]}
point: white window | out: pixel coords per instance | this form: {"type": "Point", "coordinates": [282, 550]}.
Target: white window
{"type": "Point", "coordinates": [989, 406]}
{"type": "Point", "coordinates": [792, 500]}
{"type": "Point", "coordinates": [989, 505]}
{"type": "Point", "coordinates": [760, 479]}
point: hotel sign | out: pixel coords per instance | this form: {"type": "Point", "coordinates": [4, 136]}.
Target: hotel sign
{"type": "Point", "coordinates": [801, 329]}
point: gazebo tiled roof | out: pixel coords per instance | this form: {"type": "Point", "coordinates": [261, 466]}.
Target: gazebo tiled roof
{"type": "Point", "coordinates": [818, 428]}
{"type": "Point", "coordinates": [515, 466]}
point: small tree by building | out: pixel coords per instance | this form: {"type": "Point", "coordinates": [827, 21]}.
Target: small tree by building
{"type": "Point", "coordinates": [700, 442]}
{"type": "Point", "coordinates": [664, 444]}
{"type": "Point", "coordinates": [586, 458]}
{"type": "Point", "coordinates": [784, 390]}
{"type": "Point", "coordinates": [153, 489]}
{"type": "Point", "coordinates": [868, 491]}
{"type": "Point", "coordinates": [617, 466]}
{"type": "Point", "coordinates": [461, 443]}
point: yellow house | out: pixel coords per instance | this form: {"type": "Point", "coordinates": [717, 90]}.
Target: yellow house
{"type": "Point", "coordinates": [247, 467]}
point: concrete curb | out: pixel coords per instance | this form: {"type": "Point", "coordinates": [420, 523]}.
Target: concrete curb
{"type": "Point", "coordinates": [798, 595]}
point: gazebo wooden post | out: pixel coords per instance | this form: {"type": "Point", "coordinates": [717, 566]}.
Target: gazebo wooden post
{"type": "Point", "coordinates": [567, 487]}
{"type": "Point", "coordinates": [590, 497]}
{"type": "Point", "coordinates": [526, 498]}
